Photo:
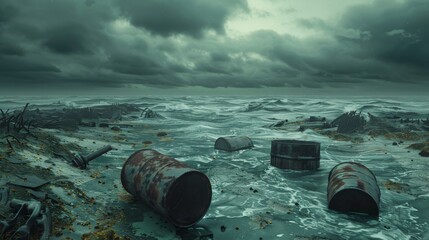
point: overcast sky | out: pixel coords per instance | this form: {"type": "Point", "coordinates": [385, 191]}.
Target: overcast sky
{"type": "Point", "coordinates": [223, 46]}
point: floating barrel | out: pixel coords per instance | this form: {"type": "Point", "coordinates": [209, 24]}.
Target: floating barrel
{"type": "Point", "coordinates": [177, 192]}
{"type": "Point", "coordinates": [296, 155]}
{"type": "Point", "coordinates": [233, 143]}
{"type": "Point", "coordinates": [353, 188]}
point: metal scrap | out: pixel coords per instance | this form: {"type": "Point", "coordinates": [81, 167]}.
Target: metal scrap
{"type": "Point", "coordinates": [349, 122]}
{"type": "Point", "coordinates": [4, 194]}
{"type": "Point", "coordinates": [28, 181]}
{"type": "Point", "coordinates": [150, 114]}
{"type": "Point", "coordinates": [82, 161]}
{"type": "Point", "coordinates": [38, 217]}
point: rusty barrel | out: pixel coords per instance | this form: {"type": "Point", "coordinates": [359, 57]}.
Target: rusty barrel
{"type": "Point", "coordinates": [233, 143]}
{"type": "Point", "coordinates": [177, 192]}
{"type": "Point", "coordinates": [353, 188]}
{"type": "Point", "coordinates": [295, 155]}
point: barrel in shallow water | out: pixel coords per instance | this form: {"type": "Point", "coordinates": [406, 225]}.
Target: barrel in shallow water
{"type": "Point", "coordinates": [296, 155]}
{"type": "Point", "coordinates": [353, 188]}
{"type": "Point", "coordinates": [233, 143]}
{"type": "Point", "coordinates": [171, 188]}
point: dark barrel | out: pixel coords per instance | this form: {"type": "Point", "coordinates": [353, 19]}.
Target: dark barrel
{"type": "Point", "coordinates": [294, 154]}
{"type": "Point", "coordinates": [353, 188]}
{"type": "Point", "coordinates": [233, 143]}
{"type": "Point", "coordinates": [177, 192]}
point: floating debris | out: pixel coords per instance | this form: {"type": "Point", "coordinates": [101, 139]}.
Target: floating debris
{"type": "Point", "coordinates": [353, 188]}
{"type": "Point", "coordinates": [295, 155]}
{"type": "Point", "coordinates": [233, 143]}
{"type": "Point", "coordinates": [147, 113]}
{"type": "Point", "coordinates": [349, 122]}
{"type": "Point", "coordinates": [161, 134]}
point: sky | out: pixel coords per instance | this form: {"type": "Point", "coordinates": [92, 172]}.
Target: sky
{"type": "Point", "coordinates": [259, 47]}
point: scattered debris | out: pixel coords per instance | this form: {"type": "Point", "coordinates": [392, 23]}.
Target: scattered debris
{"type": "Point", "coordinates": [115, 128]}
{"type": "Point", "coordinates": [396, 186]}
{"type": "Point", "coordinates": [349, 122]}
{"type": "Point", "coordinates": [4, 195]}
{"type": "Point", "coordinates": [161, 134]}
{"type": "Point", "coordinates": [103, 235]}
{"type": "Point", "coordinates": [38, 219]}
{"type": "Point", "coordinates": [150, 114]}
{"type": "Point", "coordinates": [233, 143]}
{"type": "Point", "coordinates": [194, 233]}
{"type": "Point", "coordinates": [82, 161]}
{"type": "Point", "coordinates": [295, 155]}
{"type": "Point", "coordinates": [88, 124]}
{"type": "Point", "coordinates": [29, 181]}
{"type": "Point", "coordinates": [424, 153]}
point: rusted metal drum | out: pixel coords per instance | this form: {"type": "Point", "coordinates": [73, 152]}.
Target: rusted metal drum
{"type": "Point", "coordinates": [177, 192]}
{"type": "Point", "coordinates": [233, 143]}
{"type": "Point", "coordinates": [353, 188]}
{"type": "Point", "coordinates": [295, 155]}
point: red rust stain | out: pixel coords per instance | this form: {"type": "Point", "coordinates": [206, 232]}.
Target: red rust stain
{"type": "Point", "coordinates": [138, 182]}
{"type": "Point", "coordinates": [347, 169]}
{"type": "Point", "coordinates": [361, 185]}
{"type": "Point", "coordinates": [153, 193]}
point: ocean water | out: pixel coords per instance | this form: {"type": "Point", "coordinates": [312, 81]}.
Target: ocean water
{"type": "Point", "coordinates": [286, 204]}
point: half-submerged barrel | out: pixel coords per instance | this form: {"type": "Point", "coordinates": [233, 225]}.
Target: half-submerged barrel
{"type": "Point", "coordinates": [177, 192]}
{"type": "Point", "coordinates": [353, 188]}
{"type": "Point", "coordinates": [233, 143]}
{"type": "Point", "coordinates": [295, 155]}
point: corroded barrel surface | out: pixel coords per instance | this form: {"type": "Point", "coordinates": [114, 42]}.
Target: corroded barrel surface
{"type": "Point", "coordinates": [295, 155]}
{"type": "Point", "coordinates": [353, 188]}
{"type": "Point", "coordinates": [233, 143]}
{"type": "Point", "coordinates": [171, 188]}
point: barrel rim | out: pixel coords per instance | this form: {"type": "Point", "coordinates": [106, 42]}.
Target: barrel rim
{"type": "Point", "coordinates": [206, 208]}
{"type": "Point", "coordinates": [294, 141]}
{"type": "Point", "coordinates": [376, 201]}
{"type": "Point", "coordinates": [355, 163]}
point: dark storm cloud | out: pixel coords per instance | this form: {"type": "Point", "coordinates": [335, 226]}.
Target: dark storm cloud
{"type": "Point", "coordinates": [10, 64]}
{"type": "Point", "coordinates": [134, 65]}
{"type": "Point", "coordinates": [190, 17]}
{"type": "Point", "coordinates": [87, 44]}
{"type": "Point", "coordinates": [69, 38]}
{"type": "Point", "coordinates": [399, 32]}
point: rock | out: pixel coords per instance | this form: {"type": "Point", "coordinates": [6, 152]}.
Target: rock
{"type": "Point", "coordinates": [161, 134]}
{"type": "Point", "coordinates": [316, 119]}
{"type": "Point", "coordinates": [88, 124]}
{"type": "Point", "coordinates": [424, 153]}
{"type": "Point", "coordinates": [103, 125]}
{"type": "Point", "coordinates": [116, 129]}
